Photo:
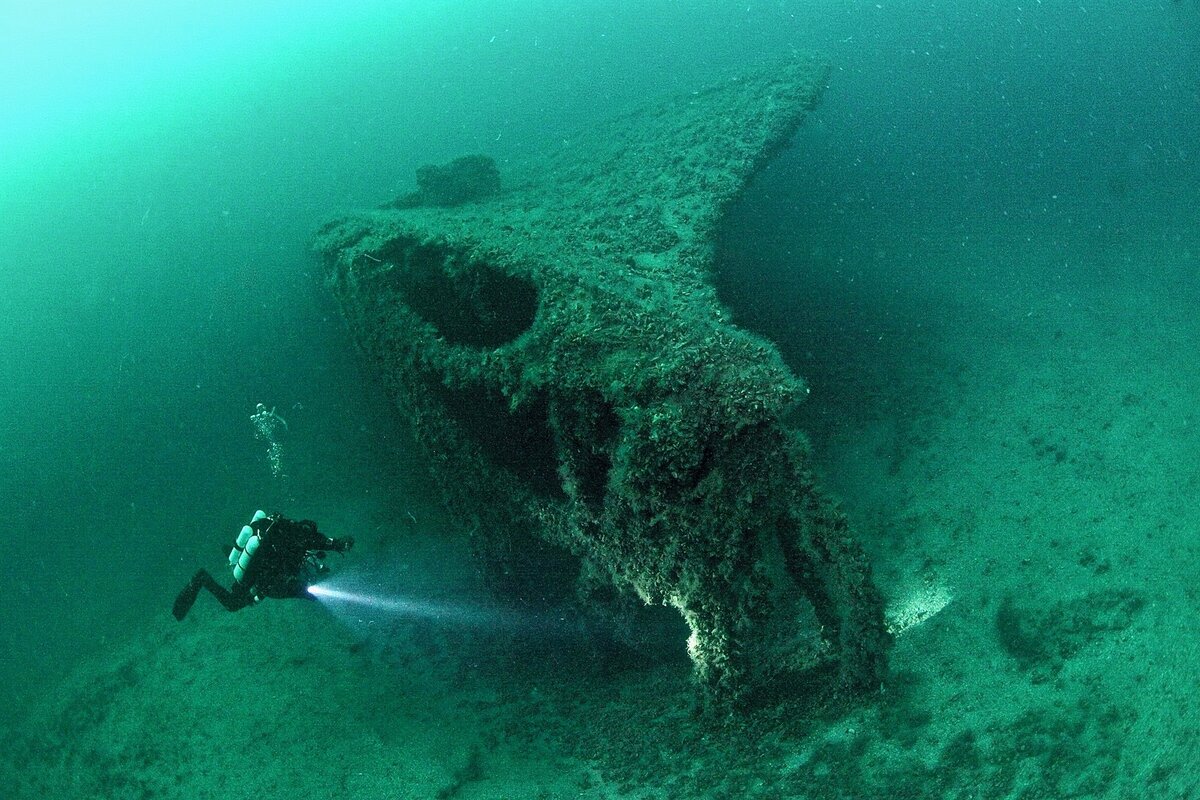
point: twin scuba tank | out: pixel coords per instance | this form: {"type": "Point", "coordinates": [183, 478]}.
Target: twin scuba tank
{"type": "Point", "coordinates": [243, 550]}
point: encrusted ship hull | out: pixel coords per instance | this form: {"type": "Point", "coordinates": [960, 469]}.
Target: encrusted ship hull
{"type": "Point", "coordinates": [596, 421]}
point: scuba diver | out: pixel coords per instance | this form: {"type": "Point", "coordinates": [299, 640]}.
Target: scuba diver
{"type": "Point", "coordinates": [273, 557]}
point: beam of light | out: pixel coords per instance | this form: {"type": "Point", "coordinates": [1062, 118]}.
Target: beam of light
{"type": "Point", "coordinates": [356, 602]}
{"type": "Point", "coordinates": [374, 599]}
{"type": "Point", "coordinates": [396, 605]}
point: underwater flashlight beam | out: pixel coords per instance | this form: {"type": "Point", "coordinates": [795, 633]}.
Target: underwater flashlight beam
{"type": "Point", "coordinates": [340, 601]}
{"type": "Point", "coordinates": [394, 605]}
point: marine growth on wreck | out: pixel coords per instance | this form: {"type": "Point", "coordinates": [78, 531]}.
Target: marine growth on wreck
{"type": "Point", "coordinates": [604, 432]}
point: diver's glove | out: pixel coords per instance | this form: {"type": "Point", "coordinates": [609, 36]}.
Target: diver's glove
{"type": "Point", "coordinates": [342, 545]}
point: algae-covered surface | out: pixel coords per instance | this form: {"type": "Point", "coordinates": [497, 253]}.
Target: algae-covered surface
{"type": "Point", "coordinates": [1044, 512]}
{"type": "Point", "coordinates": [609, 437]}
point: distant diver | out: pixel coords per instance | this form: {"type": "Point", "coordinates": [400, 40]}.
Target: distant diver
{"type": "Point", "coordinates": [268, 426]}
{"type": "Point", "coordinates": [272, 557]}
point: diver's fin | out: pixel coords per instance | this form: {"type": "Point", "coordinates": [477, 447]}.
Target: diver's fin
{"type": "Point", "coordinates": [187, 597]}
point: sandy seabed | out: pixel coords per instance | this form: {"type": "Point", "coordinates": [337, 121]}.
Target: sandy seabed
{"type": "Point", "coordinates": [1010, 416]}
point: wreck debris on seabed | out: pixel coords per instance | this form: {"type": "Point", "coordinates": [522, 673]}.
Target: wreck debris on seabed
{"type": "Point", "coordinates": [592, 415]}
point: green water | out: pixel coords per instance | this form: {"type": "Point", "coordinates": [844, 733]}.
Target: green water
{"type": "Point", "coordinates": [981, 252]}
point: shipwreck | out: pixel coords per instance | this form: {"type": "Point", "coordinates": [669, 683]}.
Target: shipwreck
{"type": "Point", "coordinates": [601, 427]}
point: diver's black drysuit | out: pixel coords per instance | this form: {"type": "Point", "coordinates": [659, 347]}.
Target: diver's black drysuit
{"type": "Point", "coordinates": [288, 556]}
